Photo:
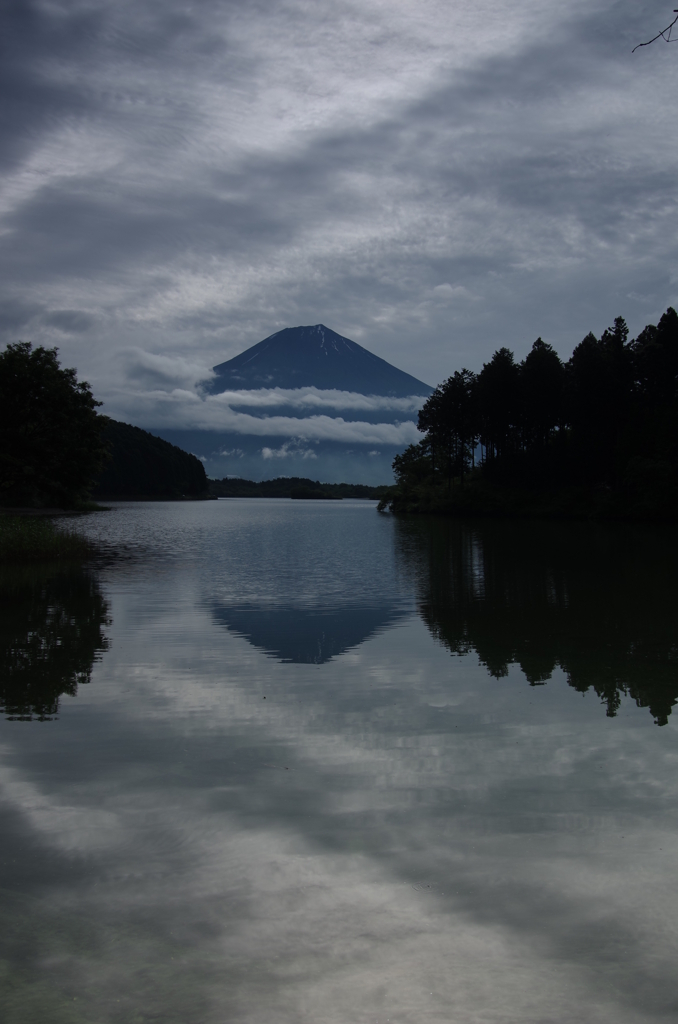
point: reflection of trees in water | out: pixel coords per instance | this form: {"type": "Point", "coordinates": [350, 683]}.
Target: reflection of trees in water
{"type": "Point", "coordinates": [600, 602]}
{"type": "Point", "coordinates": [51, 632]}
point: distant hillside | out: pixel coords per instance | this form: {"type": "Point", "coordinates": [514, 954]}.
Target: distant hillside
{"type": "Point", "coordinates": [145, 466]}
{"type": "Point", "coordinates": [299, 357]}
{"type": "Point", "coordinates": [290, 487]}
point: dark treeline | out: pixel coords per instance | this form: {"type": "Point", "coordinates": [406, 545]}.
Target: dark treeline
{"type": "Point", "coordinates": [141, 465]}
{"type": "Point", "coordinates": [290, 487]}
{"type": "Point", "coordinates": [595, 600]}
{"type": "Point", "coordinates": [605, 421]}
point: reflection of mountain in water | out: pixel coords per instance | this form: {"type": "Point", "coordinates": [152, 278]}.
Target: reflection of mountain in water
{"type": "Point", "coordinates": [599, 601]}
{"type": "Point", "coordinates": [306, 636]}
{"type": "Point", "coordinates": [51, 632]}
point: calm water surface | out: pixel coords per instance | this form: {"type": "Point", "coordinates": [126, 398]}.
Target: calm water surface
{"type": "Point", "coordinates": [298, 762]}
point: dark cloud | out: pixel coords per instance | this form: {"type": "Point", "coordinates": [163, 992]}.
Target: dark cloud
{"type": "Point", "coordinates": [432, 183]}
{"type": "Point", "coordinates": [71, 321]}
{"type": "Point", "coordinates": [15, 315]}
{"type": "Point", "coordinates": [35, 42]}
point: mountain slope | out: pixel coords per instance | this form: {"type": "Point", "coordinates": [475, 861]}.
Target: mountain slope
{"type": "Point", "coordinates": [299, 357]}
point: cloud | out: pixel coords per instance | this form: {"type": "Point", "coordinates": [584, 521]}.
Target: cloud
{"type": "Point", "coordinates": [141, 366]}
{"type": "Point", "coordinates": [181, 408]}
{"type": "Point", "coordinates": [165, 392]}
{"type": "Point", "coordinates": [431, 180]}
{"type": "Point", "coordinates": [16, 315]}
{"type": "Point", "coordinates": [527, 915]}
{"type": "Point", "coordinates": [316, 398]}
{"type": "Point", "coordinates": [449, 293]}
{"type": "Point", "coordinates": [289, 450]}
{"type": "Point", "coordinates": [70, 321]}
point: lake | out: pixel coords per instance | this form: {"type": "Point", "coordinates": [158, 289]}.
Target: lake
{"type": "Point", "coordinates": [300, 762]}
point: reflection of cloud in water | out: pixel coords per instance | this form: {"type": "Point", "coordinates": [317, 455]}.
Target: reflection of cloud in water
{"type": "Point", "coordinates": [233, 892]}
{"type": "Point", "coordinates": [303, 635]}
{"type": "Point", "coordinates": [445, 846]}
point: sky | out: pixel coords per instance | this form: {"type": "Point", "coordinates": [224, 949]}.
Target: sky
{"type": "Point", "coordinates": [432, 179]}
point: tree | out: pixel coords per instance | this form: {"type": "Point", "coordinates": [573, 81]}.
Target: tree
{"type": "Point", "coordinates": [498, 394]}
{"type": "Point", "coordinates": [450, 421]}
{"type": "Point", "coordinates": [600, 387]}
{"type": "Point", "coordinates": [412, 467]}
{"type": "Point", "coordinates": [542, 379]}
{"type": "Point", "coordinates": [50, 433]}
{"type": "Point", "coordinates": [655, 357]}
{"type": "Point", "coordinates": [459, 422]}
{"type": "Point", "coordinates": [606, 422]}
{"type": "Point", "coordinates": [429, 422]}
{"type": "Point", "coordinates": [665, 34]}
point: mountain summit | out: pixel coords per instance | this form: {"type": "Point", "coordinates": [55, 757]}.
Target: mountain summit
{"type": "Point", "coordinates": [300, 357]}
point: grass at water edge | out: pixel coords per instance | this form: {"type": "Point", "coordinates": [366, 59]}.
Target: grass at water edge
{"type": "Point", "coordinates": [26, 539]}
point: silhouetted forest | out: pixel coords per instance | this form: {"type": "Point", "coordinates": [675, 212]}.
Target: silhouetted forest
{"type": "Point", "coordinates": [51, 633]}
{"type": "Point", "coordinates": [290, 487]}
{"type": "Point", "coordinates": [50, 433]}
{"type": "Point", "coordinates": [597, 434]}
{"type": "Point", "coordinates": [598, 601]}
{"type": "Point", "coordinates": [144, 466]}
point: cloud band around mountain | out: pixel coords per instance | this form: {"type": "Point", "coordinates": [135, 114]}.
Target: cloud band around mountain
{"type": "Point", "coordinates": [190, 410]}
{"type": "Point", "coordinates": [316, 398]}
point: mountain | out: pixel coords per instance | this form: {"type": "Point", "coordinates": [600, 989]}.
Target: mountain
{"type": "Point", "coordinates": [301, 357]}
{"type": "Point", "coordinates": [351, 437]}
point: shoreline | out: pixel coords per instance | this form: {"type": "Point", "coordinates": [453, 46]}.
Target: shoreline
{"type": "Point", "coordinates": [574, 504]}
